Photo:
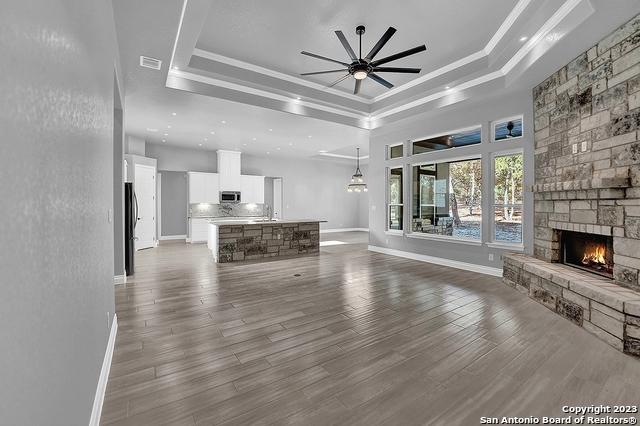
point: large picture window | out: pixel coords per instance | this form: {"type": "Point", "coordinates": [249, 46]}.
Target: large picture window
{"type": "Point", "coordinates": [395, 204]}
{"type": "Point", "coordinates": [447, 199]}
{"type": "Point", "coordinates": [458, 139]}
{"type": "Point", "coordinates": [508, 174]}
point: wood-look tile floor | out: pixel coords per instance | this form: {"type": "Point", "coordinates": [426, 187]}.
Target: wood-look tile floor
{"type": "Point", "coordinates": [348, 337]}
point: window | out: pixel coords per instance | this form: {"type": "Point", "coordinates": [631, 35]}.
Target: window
{"type": "Point", "coordinates": [508, 172]}
{"type": "Point", "coordinates": [466, 137]}
{"type": "Point", "coordinates": [509, 128]}
{"type": "Point", "coordinates": [395, 199]}
{"type": "Point", "coordinates": [447, 199]}
{"type": "Point", "coordinates": [396, 151]}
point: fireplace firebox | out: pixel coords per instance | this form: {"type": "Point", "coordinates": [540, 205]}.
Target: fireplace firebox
{"type": "Point", "coordinates": [589, 252]}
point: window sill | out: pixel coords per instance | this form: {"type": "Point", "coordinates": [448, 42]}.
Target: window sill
{"type": "Point", "coordinates": [395, 233]}
{"type": "Point", "coordinates": [454, 240]}
{"type": "Point", "coordinates": [517, 247]}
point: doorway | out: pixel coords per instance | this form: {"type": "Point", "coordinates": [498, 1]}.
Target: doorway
{"type": "Point", "coordinates": [145, 189]}
{"type": "Point", "coordinates": [273, 196]}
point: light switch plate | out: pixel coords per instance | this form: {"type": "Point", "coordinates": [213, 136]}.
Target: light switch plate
{"type": "Point", "coordinates": [584, 146]}
{"type": "Point", "coordinates": [490, 257]}
{"type": "Point", "coordinates": [574, 148]}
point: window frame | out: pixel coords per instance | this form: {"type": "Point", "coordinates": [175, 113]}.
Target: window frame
{"type": "Point", "coordinates": [492, 241]}
{"type": "Point", "coordinates": [494, 123]}
{"type": "Point", "coordinates": [393, 145]}
{"type": "Point", "coordinates": [444, 133]}
{"type": "Point", "coordinates": [388, 204]}
{"type": "Point", "coordinates": [411, 233]}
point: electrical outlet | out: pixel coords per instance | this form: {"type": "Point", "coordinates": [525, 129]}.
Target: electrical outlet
{"type": "Point", "coordinates": [490, 257]}
{"type": "Point", "coordinates": [584, 146]}
{"type": "Point", "coordinates": [574, 148]}
{"type": "Point", "coordinates": [110, 215]}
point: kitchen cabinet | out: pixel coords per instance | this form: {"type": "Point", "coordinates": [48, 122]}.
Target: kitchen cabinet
{"type": "Point", "coordinates": [252, 189]}
{"type": "Point", "coordinates": [199, 231]}
{"type": "Point", "coordinates": [229, 170]}
{"type": "Point", "coordinates": [203, 188]}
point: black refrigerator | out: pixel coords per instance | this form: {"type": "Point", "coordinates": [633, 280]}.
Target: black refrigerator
{"type": "Point", "coordinates": [130, 220]}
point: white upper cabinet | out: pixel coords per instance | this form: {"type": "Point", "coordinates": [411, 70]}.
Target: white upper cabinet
{"type": "Point", "coordinates": [229, 170]}
{"type": "Point", "coordinates": [203, 188]}
{"type": "Point", "coordinates": [252, 189]}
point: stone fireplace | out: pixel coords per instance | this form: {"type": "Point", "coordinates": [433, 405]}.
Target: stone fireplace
{"type": "Point", "coordinates": [586, 253]}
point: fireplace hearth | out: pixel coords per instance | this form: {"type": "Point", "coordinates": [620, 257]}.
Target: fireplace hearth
{"type": "Point", "coordinates": [589, 252]}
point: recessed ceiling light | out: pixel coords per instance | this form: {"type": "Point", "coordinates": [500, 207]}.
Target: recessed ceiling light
{"type": "Point", "coordinates": [290, 143]}
{"type": "Point", "coordinates": [309, 136]}
{"type": "Point", "coordinates": [254, 139]}
{"type": "Point", "coordinates": [205, 139]}
{"type": "Point", "coordinates": [169, 126]}
{"type": "Point", "coordinates": [166, 134]}
{"type": "Point", "coordinates": [523, 38]}
{"type": "Point", "coordinates": [268, 152]}
{"type": "Point", "coordinates": [322, 151]}
{"type": "Point", "coordinates": [244, 144]}
{"type": "Point", "coordinates": [298, 97]}
{"type": "Point", "coordinates": [223, 122]}
{"type": "Point", "coordinates": [199, 144]}
{"type": "Point", "coordinates": [213, 133]}
{"type": "Point", "coordinates": [164, 140]}
{"type": "Point", "coordinates": [271, 130]}
{"type": "Point", "coordinates": [174, 114]}
{"type": "Point", "coordinates": [176, 68]}
{"type": "Point", "coordinates": [151, 130]}
{"type": "Point", "coordinates": [278, 148]}
{"type": "Point", "coordinates": [447, 87]}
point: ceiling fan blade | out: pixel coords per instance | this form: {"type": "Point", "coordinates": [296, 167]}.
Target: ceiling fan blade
{"type": "Point", "coordinates": [313, 55]}
{"type": "Point", "coordinates": [346, 45]}
{"type": "Point", "coordinates": [380, 80]}
{"type": "Point", "coordinates": [399, 55]}
{"type": "Point", "coordinates": [338, 80]}
{"type": "Point", "coordinates": [380, 44]}
{"type": "Point", "coordinates": [356, 90]}
{"type": "Point", "coordinates": [394, 69]}
{"type": "Point", "coordinates": [322, 72]}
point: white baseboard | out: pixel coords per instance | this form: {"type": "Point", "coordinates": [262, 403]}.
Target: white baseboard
{"type": "Point", "coordinates": [96, 412]}
{"type": "Point", "coordinates": [173, 237]}
{"type": "Point", "coordinates": [120, 279]}
{"type": "Point", "coordinates": [488, 270]}
{"type": "Point", "coordinates": [329, 231]}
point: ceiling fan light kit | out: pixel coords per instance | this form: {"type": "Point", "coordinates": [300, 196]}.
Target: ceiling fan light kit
{"type": "Point", "coordinates": [361, 68]}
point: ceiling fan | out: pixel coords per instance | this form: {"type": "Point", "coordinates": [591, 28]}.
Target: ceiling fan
{"type": "Point", "coordinates": [361, 68]}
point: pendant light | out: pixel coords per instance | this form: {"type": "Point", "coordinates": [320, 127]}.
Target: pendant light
{"type": "Point", "coordinates": [357, 182]}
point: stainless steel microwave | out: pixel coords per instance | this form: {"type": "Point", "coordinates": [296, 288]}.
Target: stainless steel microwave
{"type": "Point", "coordinates": [229, 196]}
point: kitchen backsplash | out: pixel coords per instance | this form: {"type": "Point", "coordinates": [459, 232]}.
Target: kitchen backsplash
{"type": "Point", "coordinates": [226, 210]}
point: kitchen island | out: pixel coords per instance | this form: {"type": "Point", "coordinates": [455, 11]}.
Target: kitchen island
{"type": "Point", "coordinates": [240, 240]}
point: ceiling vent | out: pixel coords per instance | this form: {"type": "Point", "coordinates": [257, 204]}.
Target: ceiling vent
{"type": "Point", "coordinates": [152, 63]}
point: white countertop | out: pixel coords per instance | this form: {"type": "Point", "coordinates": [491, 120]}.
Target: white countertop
{"type": "Point", "coordinates": [222, 221]}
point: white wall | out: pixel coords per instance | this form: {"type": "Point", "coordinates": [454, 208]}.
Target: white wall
{"type": "Point", "coordinates": [454, 117]}
{"type": "Point", "coordinates": [312, 189]}
{"type": "Point", "coordinates": [56, 244]}
{"type": "Point", "coordinates": [135, 146]}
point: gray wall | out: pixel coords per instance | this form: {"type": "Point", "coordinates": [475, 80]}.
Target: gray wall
{"type": "Point", "coordinates": [328, 200]}
{"type": "Point", "coordinates": [457, 116]}
{"type": "Point", "coordinates": [56, 184]}
{"type": "Point", "coordinates": [182, 159]}
{"type": "Point", "coordinates": [135, 146]}
{"type": "Point", "coordinates": [174, 203]}
{"type": "Point", "coordinates": [118, 183]}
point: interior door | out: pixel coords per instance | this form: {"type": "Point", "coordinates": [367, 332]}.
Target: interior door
{"type": "Point", "coordinates": [145, 187]}
{"type": "Point", "coordinates": [277, 198]}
